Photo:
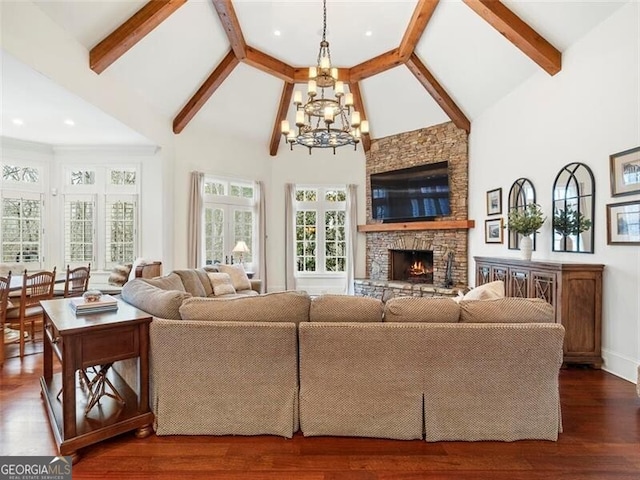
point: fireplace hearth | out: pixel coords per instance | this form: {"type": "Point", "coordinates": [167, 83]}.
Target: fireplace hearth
{"type": "Point", "coordinates": [414, 266]}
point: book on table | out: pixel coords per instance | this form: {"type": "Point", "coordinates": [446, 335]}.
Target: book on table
{"type": "Point", "coordinates": [106, 303]}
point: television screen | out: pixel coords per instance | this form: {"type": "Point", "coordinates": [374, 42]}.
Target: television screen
{"type": "Point", "coordinates": [411, 194]}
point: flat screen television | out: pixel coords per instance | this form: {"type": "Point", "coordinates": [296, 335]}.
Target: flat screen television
{"type": "Point", "coordinates": [411, 194]}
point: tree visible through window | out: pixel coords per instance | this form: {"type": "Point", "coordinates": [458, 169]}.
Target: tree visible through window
{"type": "Point", "coordinates": [21, 229]}
{"type": "Point", "coordinates": [320, 230]}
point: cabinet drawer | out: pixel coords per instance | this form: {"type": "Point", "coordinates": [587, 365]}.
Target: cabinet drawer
{"type": "Point", "coordinates": [107, 346]}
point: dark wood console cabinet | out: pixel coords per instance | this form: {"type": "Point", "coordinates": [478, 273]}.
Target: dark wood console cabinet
{"type": "Point", "coordinates": [574, 290]}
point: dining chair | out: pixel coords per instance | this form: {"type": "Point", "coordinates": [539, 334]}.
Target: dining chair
{"type": "Point", "coordinates": [5, 283]}
{"type": "Point", "coordinates": [77, 281]}
{"type": "Point", "coordinates": [35, 288]}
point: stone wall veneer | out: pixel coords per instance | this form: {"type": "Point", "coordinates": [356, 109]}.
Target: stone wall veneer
{"type": "Point", "coordinates": [409, 149]}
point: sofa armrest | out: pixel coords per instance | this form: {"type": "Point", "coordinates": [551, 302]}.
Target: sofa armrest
{"type": "Point", "coordinates": [256, 284]}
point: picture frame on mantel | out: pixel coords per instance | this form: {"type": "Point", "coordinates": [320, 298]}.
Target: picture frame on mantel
{"type": "Point", "coordinates": [623, 223]}
{"type": "Point", "coordinates": [493, 229]}
{"type": "Point", "coordinates": [624, 169]}
{"type": "Point", "coordinates": [494, 201]}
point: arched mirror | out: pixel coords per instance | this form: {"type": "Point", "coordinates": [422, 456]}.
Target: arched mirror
{"type": "Point", "coordinates": [521, 194]}
{"type": "Point", "coordinates": [573, 209]}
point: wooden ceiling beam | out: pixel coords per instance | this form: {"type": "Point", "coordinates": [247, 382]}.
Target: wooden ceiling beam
{"type": "Point", "coordinates": [131, 32]}
{"type": "Point", "coordinates": [231, 25]}
{"type": "Point", "coordinates": [269, 64]}
{"type": "Point", "coordinates": [376, 65]}
{"type": "Point", "coordinates": [359, 106]}
{"type": "Point", "coordinates": [203, 94]}
{"type": "Point", "coordinates": [276, 134]}
{"type": "Point", "coordinates": [519, 33]}
{"type": "Point", "coordinates": [438, 93]}
{"type": "Point", "coordinates": [419, 20]}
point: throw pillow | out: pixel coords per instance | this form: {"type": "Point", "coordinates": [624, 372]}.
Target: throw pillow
{"type": "Point", "coordinates": [221, 283]}
{"type": "Point", "coordinates": [239, 277]}
{"type": "Point", "coordinates": [422, 309]}
{"type": "Point", "coordinates": [488, 291]}
{"type": "Point", "coordinates": [345, 308]}
{"type": "Point", "coordinates": [119, 275]}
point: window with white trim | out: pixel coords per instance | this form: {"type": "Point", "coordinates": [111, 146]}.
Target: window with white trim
{"type": "Point", "coordinates": [22, 213]}
{"type": "Point", "coordinates": [101, 215]}
{"type": "Point", "coordinates": [320, 229]}
{"type": "Point", "coordinates": [229, 217]}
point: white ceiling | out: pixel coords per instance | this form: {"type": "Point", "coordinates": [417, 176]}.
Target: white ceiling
{"type": "Point", "coordinates": [471, 60]}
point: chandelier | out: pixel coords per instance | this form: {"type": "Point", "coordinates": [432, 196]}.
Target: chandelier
{"type": "Point", "coordinates": [342, 125]}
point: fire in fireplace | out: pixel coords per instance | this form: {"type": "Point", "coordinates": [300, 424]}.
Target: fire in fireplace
{"type": "Point", "coordinates": [411, 265]}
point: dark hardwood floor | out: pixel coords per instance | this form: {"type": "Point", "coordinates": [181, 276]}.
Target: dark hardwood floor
{"type": "Point", "coordinates": [601, 441]}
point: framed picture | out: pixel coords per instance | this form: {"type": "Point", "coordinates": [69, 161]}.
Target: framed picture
{"type": "Point", "coordinates": [493, 230]}
{"type": "Point", "coordinates": [494, 201]}
{"type": "Point", "coordinates": [624, 168]}
{"type": "Point", "coordinates": [623, 223]}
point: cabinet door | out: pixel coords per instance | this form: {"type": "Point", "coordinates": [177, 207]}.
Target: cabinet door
{"type": "Point", "coordinates": [544, 285]}
{"type": "Point", "coordinates": [499, 273]}
{"type": "Point", "coordinates": [483, 274]}
{"type": "Point", "coordinates": [518, 285]}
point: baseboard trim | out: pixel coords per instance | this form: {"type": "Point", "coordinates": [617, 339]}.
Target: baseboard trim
{"type": "Point", "coordinates": [620, 365]}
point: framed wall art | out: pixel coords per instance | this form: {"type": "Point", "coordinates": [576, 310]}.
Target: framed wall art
{"type": "Point", "coordinates": [624, 168]}
{"type": "Point", "coordinates": [494, 202]}
{"type": "Point", "coordinates": [623, 223]}
{"type": "Point", "coordinates": [493, 230]}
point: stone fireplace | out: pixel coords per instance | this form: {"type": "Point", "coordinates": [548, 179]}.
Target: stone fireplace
{"type": "Point", "coordinates": [445, 245]}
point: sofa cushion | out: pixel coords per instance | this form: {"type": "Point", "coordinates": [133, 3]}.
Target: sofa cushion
{"type": "Point", "coordinates": [191, 281]}
{"type": "Point", "coordinates": [168, 282]}
{"type": "Point", "coordinates": [421, 309]}
{"type": "Point", "coordinates": [239, 277]}
{"type": "Point", "coordinates": [206, 283]}
{"type": "Point", "coordinates": [271, 307]}
{"type": "Point", "coordinates": [154, 300]}
{"type": "Point", "coordinates": [221, 283]}
{"type": "Point", "coordinates": [345, 308]}
{"type": "Point", "coordinates": [506, 310]}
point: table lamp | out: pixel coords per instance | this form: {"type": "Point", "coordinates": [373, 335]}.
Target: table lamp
{"type": "Point", "coordinates": [240, 249]}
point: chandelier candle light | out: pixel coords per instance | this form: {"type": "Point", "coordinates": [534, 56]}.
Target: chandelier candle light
{"type": "Point", "coordinates": [338, 130]}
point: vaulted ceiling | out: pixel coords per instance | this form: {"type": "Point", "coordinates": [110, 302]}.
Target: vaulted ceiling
{"type": "Point", "coordinates": [220, 65]}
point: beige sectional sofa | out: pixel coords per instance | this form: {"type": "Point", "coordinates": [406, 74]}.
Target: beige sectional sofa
{"type": "Point", "coordinates": [337, 365]}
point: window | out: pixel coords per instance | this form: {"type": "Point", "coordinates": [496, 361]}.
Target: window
{"type": "Point", "coordinates": [320, 219]}
{"type": "Point", "coordinates": [101, 216]}
{"type": "Point", "coordinates": [228, 218]}
{"type": "Point", "coordinates": [22, 214]}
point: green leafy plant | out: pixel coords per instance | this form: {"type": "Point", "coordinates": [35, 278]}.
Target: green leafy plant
{"type": "Point", "coordinates": [526, 221]}
{"type": "Point", "coordinates": [569, 222]}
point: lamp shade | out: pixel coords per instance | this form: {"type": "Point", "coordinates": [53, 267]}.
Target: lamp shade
{"type": "Point", "coordinates": [241, 247]}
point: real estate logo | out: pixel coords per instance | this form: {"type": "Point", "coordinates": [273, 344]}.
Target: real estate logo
{"type": "Point", "coordinates": [35, 468]}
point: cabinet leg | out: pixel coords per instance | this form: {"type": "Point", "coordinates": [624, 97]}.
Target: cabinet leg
{"type": "Point", "coordinates": [144, 432]}
{"type": "Point", "coordinates": [75, 457]}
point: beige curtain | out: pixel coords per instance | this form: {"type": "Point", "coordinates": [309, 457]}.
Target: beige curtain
{"type": "Point", "coordinates": [352, 236]}
{"type": "Point", "coordinates": [261, 243]}
{"type": "Point", "coordinates": [194, 227]}
{"type": "Point", "coordinates": [289, 226]}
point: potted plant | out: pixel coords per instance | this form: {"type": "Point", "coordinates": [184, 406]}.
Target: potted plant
{"type": "Point", "coordinates": [526, 221]}
{"type": "Point", "coordinates": [569, 222]}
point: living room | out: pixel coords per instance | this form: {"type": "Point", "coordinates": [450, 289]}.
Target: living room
{"type": "Point", "coordinates": [585, 113]}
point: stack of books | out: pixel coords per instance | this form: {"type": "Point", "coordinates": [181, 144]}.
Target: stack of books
{"type": "Point", "coordinates": [81, 306]}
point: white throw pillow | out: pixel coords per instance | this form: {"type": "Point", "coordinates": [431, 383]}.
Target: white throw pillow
{"type": "Point", "coordinates": [238, 276]}
{"type": "Point", "coordinates": [221, 283]}
{"type": "Point", "coordinates": [488, 291]}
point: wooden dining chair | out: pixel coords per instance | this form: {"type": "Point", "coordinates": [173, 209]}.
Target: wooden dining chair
{"type": "Point", "coordinates": [5, 283]}
{"type": "Point", "coordinates": [77, 281]}
{"type": "Point", "coordinates": [35, 288]}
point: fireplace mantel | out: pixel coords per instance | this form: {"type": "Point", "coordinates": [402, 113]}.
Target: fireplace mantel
{"type": "Point", "coordinates": [407, 226]}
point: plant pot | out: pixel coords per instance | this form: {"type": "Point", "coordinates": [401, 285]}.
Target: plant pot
{"type": "Point", "coordinates": [526, 246]}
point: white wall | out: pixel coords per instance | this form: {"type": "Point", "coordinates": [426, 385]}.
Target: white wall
{"type": "Point", "coordinates": [588, 111]}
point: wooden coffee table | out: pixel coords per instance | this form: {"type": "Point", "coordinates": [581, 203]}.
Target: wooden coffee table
{"type": "Point", "coordinates": [94, 340]}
